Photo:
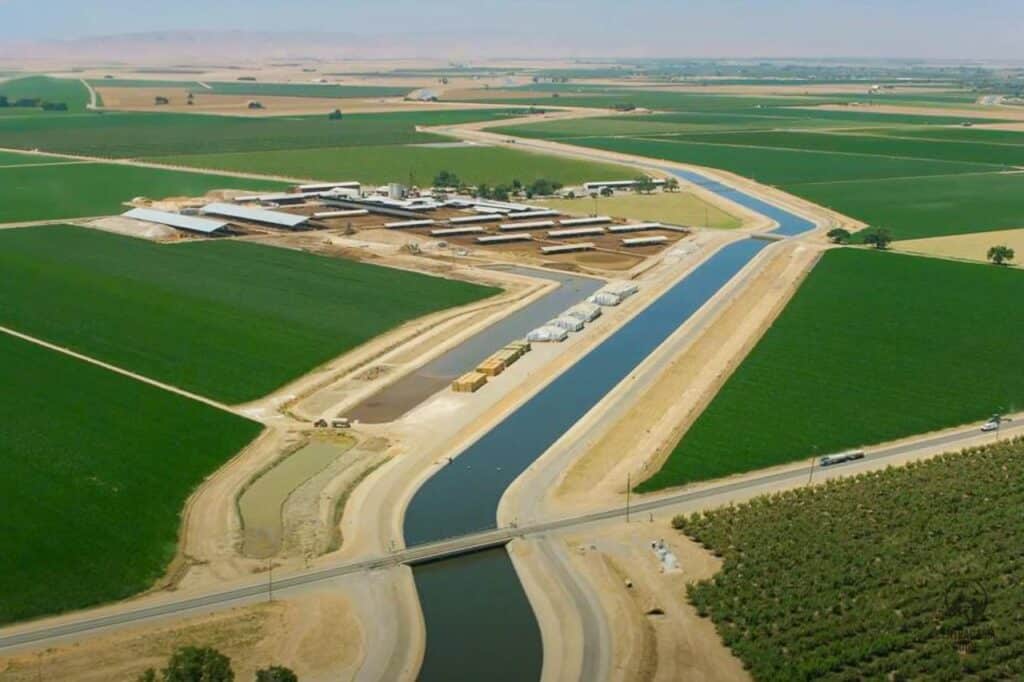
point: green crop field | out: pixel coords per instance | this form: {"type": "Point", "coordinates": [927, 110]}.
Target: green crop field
{"type": "Point", "coordinates": [492, 165]}
{"type": "Point", "coordinates": [869, 144]}
{"type": "Point", "coordinates": [911, 573]}
{"type": "Point", "coordinates": [917, 180]}
{"type": "Point", "coordinates": [873, 347]}
{"type": "Point", "coordinates": [226, 319]}
{"type": "Point", "coordinates": [927, 206]}
{"type": "Point", "coordinates": [18, 159]}
{"type": "Point", "coordinates": [66, 90]}
{"type": "Point", "coordinates": [327, 90]}
{"type": "Point", "coordinates": [38, 192]}
{"type": "Point", "coordinates": [97, 468]}
{"type": "Point", "coordinates": [161, 134]}
{"type": "Point", "coordinates": [783, 167]}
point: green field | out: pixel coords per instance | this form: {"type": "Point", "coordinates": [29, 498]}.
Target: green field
{"type": "Point", "coordinates": [226, 319]}
{"type": "Point", "coordinates": [97, 468]}
{"type": "Point", "coordinates": [911, 573]}
{"type": "Point", "coordinates": [327, 90]}
{"type": "Point", "coordinates": [492, 165]}
{"type": "Point", "coordinates": [870, 144]}
{"type": "Point", "coordinates": [18, 159]}
{"type": "Point", "coordinates": [873, 347]}
{"type": "Point", "coordinates": [160, 134]}
{"type": "Point", "coordinates": [927, 206]}
{"type": "Point", "coordinates": [783, 167]}
{"type": "Point", "coordinates": [66, 90]}
{"type": "Point", "coordinates": [916, 180]}
{"type": "Point", "coordinates": [768, 119]}
{"type": "Point", "coordinates": [35, 192]}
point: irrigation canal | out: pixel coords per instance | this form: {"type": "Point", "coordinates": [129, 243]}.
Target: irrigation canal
{"type": "Point", "coordinates": [474, 605]}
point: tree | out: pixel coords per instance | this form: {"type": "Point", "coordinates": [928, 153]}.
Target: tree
{"type": "Point", "coordinates": [644, 184]}
{"type": "Point", "coordinates": [4, 102]}
{"type": "Point", "coordinates": [500, 193]}
{"type": "Point", "coordinates": [148, 676]}
{"type": "Point", "coordinates": [1001, 254]}
{"type": "Point", "coordinates": [276, 673]}
{"type": "Point", "coordinates": [198, 664]}
{"type": "Point", "coordinates": [543, 187]}
{"type": "Point", "coordinates": [446, 179]}
{"type": "Point", "coordinates": [671, 185]}
{"type": "Point", "coordinates": [483, 190]}
{"type": "Point", "coordinates": [607, 191]}
{"type": "Point", "coordinates": [335, 115]}
{"type": "Point", "coordinates": [838, 235]}
{"type": "Point", "coordinates": [878, 237]}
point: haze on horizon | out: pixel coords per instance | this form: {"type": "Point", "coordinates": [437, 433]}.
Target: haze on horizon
{"type": "Point", "coordinates": [936, 29]}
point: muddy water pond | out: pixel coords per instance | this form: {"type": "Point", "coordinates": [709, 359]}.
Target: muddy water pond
{"type": "Point", "coordinates": [260, 504]}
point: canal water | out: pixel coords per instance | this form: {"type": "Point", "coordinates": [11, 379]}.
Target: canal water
{"type": "Point", "coordinates": [478, 619]}
{"type": "Point", "coordinates": [392, 401]}
{"type": "Point", "coordinates": [463, 496]}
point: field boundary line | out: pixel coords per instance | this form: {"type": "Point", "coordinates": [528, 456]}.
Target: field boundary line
{"type": "Point", "coordinates": [138, 163]}
{"type": "Point", "coordinates": [120, 370]}
{"type": "Point", "coordinates": [1012, 171]}
{"type": "Point", "coordinates": [44, 164]}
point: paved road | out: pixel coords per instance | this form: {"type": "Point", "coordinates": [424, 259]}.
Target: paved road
{"type": "Point", "coordinates": [740, 488]}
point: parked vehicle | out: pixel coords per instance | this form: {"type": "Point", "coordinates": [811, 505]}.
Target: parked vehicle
{"type": "Point", "coordinates": [841, 458]}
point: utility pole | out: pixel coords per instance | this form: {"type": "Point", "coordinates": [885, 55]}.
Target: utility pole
{"type": "Point", "coordinates": [628, 486]}
{"type": "Point", "coordinates": [814, 456]}
{"type": "Point", "coordinates": [270, 579]}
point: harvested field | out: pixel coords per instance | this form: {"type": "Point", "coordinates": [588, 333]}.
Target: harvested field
{"type": "Point", "coordinates": [848, 364]}
{"type": "Point", "coordinates": [674, 208]}
{"type": "Point", "coordinates": [97, 468]}
{"type": "Point", "coordinates": [75, 190]}
{"type": "Point", "coordinates": [226, 319]}
{"type": "Point", "coordinates": [907, 573]}
{"type": "Point", "coordinates": [973, 246]}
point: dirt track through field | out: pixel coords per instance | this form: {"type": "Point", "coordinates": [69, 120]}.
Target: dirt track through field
{"type": "Point", "coordinates": [114, 368]}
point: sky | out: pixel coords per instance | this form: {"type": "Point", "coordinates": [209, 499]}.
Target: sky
{"type": "Point", "coordinates": [947, 29]}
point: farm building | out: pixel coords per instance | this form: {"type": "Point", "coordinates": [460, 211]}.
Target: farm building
{"type": "Point", "coordinates": [409, 223]}
{"type": "Point", "coordinates": [178, 221]}
{"type": "Point", "coordinates": [597, 185]}
{"type": "Point", "coordinates": [635, 227]}
{"type": "Point", "coordinates": [567, 248]}
{"type": "Point", "coordinates": [592, 220]}
{"type": "Point", "coordinates": [645, 241]}
{"type": "Point", "coordinates": [457, 231]}
{"type": "Point", "coordinates": [256, 215]}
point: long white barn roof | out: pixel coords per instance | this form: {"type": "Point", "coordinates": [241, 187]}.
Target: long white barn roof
{"type": "Point", "coordinates": [257, 215]}
{"type": "Point", "coordinates": [182, 222]}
